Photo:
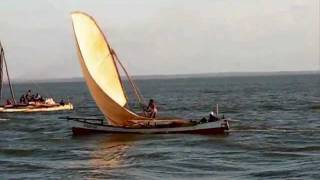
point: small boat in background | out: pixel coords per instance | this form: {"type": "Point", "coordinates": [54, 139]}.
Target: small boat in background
{"type": "Point", "coordinates": [36, 108]}
{"type": "Point", "coordinates": [99, 66]}
{"type": "Point", "coordinates": [33, 104]}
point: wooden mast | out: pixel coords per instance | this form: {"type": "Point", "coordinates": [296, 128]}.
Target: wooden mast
{"type": "Point", "coordinates": [3, 60]}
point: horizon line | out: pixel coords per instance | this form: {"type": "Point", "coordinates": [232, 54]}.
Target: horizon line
{"type": "Point", "coordinates": [172, 76]}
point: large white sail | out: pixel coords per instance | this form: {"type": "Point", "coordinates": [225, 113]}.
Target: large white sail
{"type": "Point", "coordinates": [100, 71]}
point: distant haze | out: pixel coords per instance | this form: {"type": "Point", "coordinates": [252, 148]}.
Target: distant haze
{"type": "Point", "coordinates": [165, 37]}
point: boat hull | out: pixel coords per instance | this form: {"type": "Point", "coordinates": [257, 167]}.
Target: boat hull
{"type": "Point", "coordinates": [84, 128]}
{"type": "Point", "coordinates": [28, 109]}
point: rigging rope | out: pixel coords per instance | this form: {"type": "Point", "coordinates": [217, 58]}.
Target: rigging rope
{"type": "Point", "coordinates": [42, 90]}
{"type": "Point", "coordinates": [134, 87]}
{"type": "Point", "coordinates": [1, 69]}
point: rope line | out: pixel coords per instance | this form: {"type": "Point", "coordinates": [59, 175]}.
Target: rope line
{"type": "Point", "coordinates": [134, 87]}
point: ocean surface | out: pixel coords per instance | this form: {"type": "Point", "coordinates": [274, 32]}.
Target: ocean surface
{"type": "Point", "coordinates": [277, 135]}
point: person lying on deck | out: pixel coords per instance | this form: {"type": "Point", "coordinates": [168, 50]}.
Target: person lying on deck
{"type": "Point", "coordinates": [151, 110]}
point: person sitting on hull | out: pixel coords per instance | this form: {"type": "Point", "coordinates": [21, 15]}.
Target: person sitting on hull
{"type": "Point", "coordinates": [151, 110]}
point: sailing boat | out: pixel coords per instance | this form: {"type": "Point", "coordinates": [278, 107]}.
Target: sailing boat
{"type": "Point", "coordinates": [31, 106]}
{"type": "Point", "coordinates": [99, 66]}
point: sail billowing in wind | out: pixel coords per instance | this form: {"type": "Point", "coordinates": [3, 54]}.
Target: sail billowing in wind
{"type": "Point", "coordinates": [100, 71]}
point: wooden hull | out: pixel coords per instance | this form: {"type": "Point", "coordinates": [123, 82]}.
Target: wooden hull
{"type": "Point", "coordinates": [83, 127]}
{"type": "Point", "coordinates": [28, 109]}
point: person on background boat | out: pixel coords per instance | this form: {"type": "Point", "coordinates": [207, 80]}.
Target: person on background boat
{"type": "Point", "coordinates": [9, 103]}
{"type": "Point", "coordinates": [33, 98]}
{"type": "Point", "coordinates": [152, 109]}
{"type": "Point", "coordinates": [37, 97]}
{"type": "Point", "coordinates": [62, 102]}
{"type": "Point", "coordinates": [42, 100]}
{"type": "Point", "coordinates": [22, 99]}
{"type": "Point", "coordinates": [25, 99]}
{"type": "Point", "coordinates": [29, 96]}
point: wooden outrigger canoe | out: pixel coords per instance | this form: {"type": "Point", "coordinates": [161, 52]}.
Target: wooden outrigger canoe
{"type": "Point", "coordinates": [99, 66]}
{"type": "Point", "coordinates": [36, 108]}
{"type": "Point", "coordinates": [84, 126]}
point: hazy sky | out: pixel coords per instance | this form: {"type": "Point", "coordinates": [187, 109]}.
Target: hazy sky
{"type": "Point", "coordinates": [165, 36]}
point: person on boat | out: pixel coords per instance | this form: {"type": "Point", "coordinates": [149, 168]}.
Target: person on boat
{"type": "Point", "coordinates": [37, 97]}
{"type": "Point", "coordinates": [213, 117]}
{"type": "Point", "coordinates": [29, 96]}
{"type": "Point", "coordinates": [62, 103]}
{"type": "Point", "coordinates": [33, 99]}
{"type": "Point", "coordinates": [42, 100]}
{"type": "Point", "coordinates": [152, 109]}
{"type": "Point", "coordinates": [22, 99]}
{"type": "Point", "coordinates": [9, 103]}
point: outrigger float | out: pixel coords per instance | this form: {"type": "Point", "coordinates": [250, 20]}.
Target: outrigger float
{"type": "Point", "coordinates": [14, 107]}
{"type": "Point", "coordinates": [99, 66]}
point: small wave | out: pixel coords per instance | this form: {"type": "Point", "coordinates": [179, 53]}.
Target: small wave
{"type": "Point", "coordinates": [274, 173]}
{"type": "Point", "coordinates": [209, 92]}
{"type": "Point", "coordinates": [4, 119]}
{"type": "Point", "coordinates": [23, 166]}
{"type": "Point", "coordinates": [87, 107]}
{"type": "Point", "coordinates": [272, 107]}
{"type": "Point", "coordinates": [315, 107]}
{"type": "Point", "coordinates": [309, 149]}
{"type": "Point", "coordinates": [274, 130]}
{"type": "Point", "coordinates": [285, 154]}
{"type": "Point", "coordinates": [18, 152]}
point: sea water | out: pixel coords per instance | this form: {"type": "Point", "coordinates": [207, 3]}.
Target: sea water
{"type": "Point", "coordinates": [276, 135]}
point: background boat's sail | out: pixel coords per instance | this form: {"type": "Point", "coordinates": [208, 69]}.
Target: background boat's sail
{"type": "Point", "coordinates": [3, 65]}
{"type": "Point", "coordinates": [1, 69]}
{"type": "Point", "coordinates": [100, 71]}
